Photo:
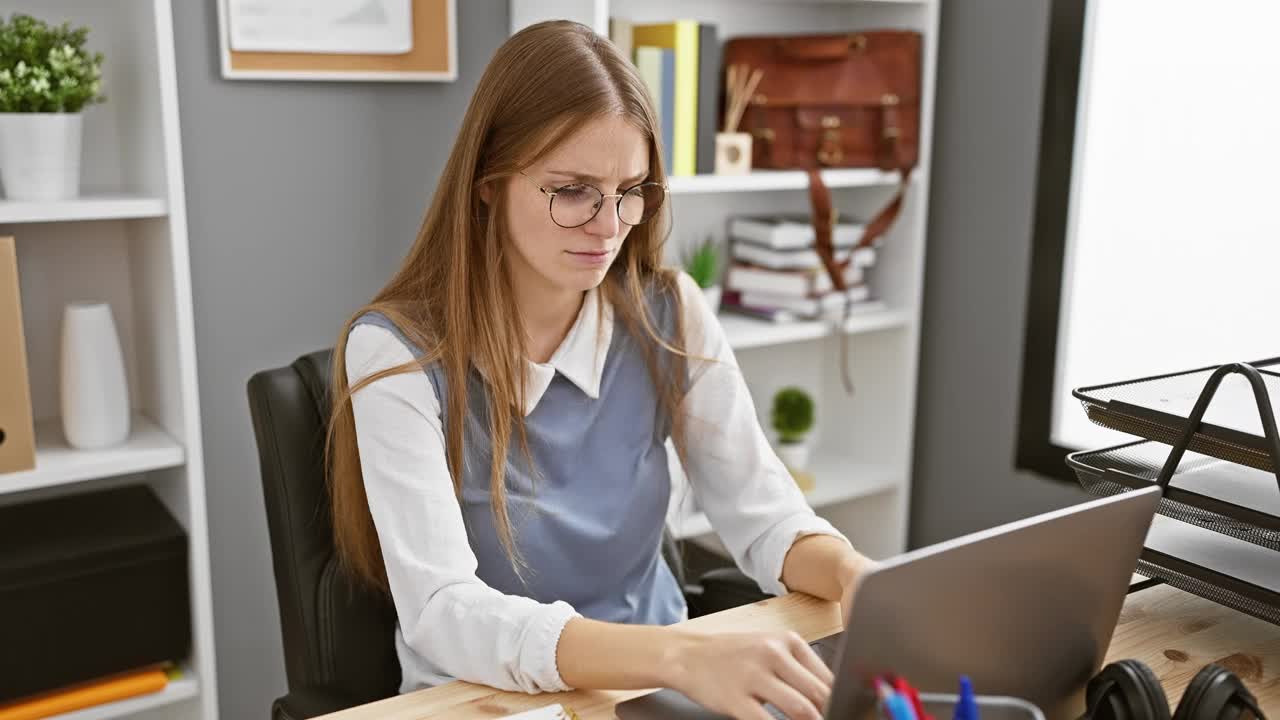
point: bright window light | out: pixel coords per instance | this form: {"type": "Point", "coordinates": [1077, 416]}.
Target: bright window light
{"type": "Point", "coordinates": [1173, 239]}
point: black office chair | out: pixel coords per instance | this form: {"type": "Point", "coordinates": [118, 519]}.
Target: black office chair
{"type": "Point", "coordinates": [338, 636]}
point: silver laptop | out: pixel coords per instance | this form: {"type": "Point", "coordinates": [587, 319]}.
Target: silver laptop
{"type": "Point", "coordinates": [1025, 610]}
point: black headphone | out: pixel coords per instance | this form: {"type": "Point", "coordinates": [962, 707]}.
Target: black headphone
{"type": "Point", "coordinates": [1129, 690]}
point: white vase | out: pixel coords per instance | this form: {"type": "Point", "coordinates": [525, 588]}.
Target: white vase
{"type": "Point", "coordinates": [794, 455]}
{"type": "Point", "coordinates": [712, 294]}
{"type": "Point", "coordinates": [95, 394]}
{"type": "Point", "coordinates": [40, 155]}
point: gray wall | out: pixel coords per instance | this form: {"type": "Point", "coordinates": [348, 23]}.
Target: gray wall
{"type": "Point", "coordinates": [982, 198]}
{"type": "Point", "coordinates": [302, 198]}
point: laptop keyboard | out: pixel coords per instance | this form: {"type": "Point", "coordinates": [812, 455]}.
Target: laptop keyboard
{"type": "Point", "coordinates": [826, 648]}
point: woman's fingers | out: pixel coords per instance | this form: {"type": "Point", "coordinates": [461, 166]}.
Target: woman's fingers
{"type": "Point", "coordinates": [739, 674]}
{"type": "Point", "coordinates": [750, 710]}
{"type": "Point", "coordinates": [786, 698]}
{"type": "Point", "coordinates": [800, 679]}
{"type": "Point", "coordinates": [804, 652]}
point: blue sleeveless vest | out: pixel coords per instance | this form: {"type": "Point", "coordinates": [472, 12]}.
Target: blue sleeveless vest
{"type": "Point", "coordinates": [589, 525]}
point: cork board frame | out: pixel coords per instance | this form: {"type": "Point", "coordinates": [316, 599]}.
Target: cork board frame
{"type": "Point", "coordinates": [434, 56]}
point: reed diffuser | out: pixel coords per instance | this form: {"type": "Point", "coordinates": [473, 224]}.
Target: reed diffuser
{"type": "Point", "coordinates": [733, 148]}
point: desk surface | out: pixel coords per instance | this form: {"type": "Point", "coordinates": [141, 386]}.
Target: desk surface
{"type": "Point", "coordinates": [1172, 631]}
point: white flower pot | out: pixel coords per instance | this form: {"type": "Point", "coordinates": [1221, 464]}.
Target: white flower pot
{"type": "Point", "coordinates": [40, 155]}
{"type": "Point", "coordinates": [95, 395]}
{"type": "Point", "coordinates": [794, 455]}
{"type": "Point", "coordinates": [712, 294]}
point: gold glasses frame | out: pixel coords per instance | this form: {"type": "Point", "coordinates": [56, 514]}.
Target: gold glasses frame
{"type": "Point", "coordinates": [551, 198]}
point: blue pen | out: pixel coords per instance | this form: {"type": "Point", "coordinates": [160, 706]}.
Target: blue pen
{"type": "Point", "coordinates": [895, 705]}
{"type": "Point", "coordinates": [966, 707]}
{"type": "Point", "coordinates": [900, 707]}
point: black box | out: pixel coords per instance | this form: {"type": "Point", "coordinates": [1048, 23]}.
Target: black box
{"type": "Point", "coordinates": [91, 584]}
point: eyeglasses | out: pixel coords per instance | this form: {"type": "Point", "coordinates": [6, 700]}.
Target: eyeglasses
{"type": "Point", "coordinates": [575, 205]}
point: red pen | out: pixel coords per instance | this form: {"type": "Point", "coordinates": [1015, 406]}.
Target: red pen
{"type": "Point", "coordinates": [900, 684]}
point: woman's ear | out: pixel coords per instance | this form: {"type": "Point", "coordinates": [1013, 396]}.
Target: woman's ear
{"type": "Point", "coordinates": [486, 193]}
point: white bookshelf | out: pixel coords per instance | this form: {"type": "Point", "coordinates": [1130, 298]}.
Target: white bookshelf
{"type": "Point", "coordinates": [768, 180]}
{"type": "Point", "coordinates": [837, 481]}
{"type": "Point", "coordinates": [94, 206]}
{"type": "Point", "coordinates": [862, 443]}
{"type": "Point", "coordinates": [746, 332]}
{"type": "Point", "coordinates": [123, 241]}
{"type": "Point", "coordinates": [148, 448]}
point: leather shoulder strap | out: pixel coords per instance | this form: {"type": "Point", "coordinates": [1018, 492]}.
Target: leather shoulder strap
{"type": "Point", "coordinates": [824, 219]}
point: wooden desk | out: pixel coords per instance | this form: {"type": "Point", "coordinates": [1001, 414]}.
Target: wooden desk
{"type": "Point", "coordinates": [1174, 632]}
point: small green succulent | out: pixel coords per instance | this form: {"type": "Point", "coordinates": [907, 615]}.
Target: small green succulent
{"type": "Point", "coordinates": [703, 264]}
{"type": "Point", "coordinates": [792, 414]}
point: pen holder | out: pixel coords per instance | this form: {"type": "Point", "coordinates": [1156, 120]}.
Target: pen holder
{"type": "Point", "coordinates": [990, 707]}
{"type": "Point", "coordinates": [733, 153]}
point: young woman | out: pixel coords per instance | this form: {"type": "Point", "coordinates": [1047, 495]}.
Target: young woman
{"type": "Point", "coordinates": [532, 322]}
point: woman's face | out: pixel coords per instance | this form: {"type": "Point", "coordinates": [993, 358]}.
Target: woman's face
{"type": "Point", "coordinates": [608, 153]}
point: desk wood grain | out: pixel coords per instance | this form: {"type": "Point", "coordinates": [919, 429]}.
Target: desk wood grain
{"type": "Point", "coordinates": [1177, 633]}
{"type": "Point", "coordinates": [1174, 632]}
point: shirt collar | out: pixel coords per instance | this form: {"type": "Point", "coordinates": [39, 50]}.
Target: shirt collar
{"type": "Point", "coordinates": [580, 356]}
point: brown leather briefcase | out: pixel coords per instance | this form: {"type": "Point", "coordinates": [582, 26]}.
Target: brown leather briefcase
{"type": "Point", "coordinates": [828, 101]}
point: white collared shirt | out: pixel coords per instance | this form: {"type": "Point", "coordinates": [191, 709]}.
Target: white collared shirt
{"type": "Point", "coordinates": [450, 624]}
{"type": "Point", "coordinates": [579, 357]}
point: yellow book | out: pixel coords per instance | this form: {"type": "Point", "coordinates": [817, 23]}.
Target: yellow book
{"type": "Point", "coordinates": [77, 697]}
{"type": "Point", "coordinates": [682, 37]}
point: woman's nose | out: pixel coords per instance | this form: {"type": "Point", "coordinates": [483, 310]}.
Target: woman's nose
{"type": "Point", "coordinates": [605, 223]}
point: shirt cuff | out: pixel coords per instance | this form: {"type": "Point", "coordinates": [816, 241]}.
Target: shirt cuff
{"type": "Point", "coordinates": [779, 543]}
{"type": "Point", "coordinates": [539, 651]}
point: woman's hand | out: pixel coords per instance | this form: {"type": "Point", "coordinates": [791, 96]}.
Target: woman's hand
{"type": "Point", "coordinates": [849, 575]}
{"type": "Point", "coordinates": [736, 674]}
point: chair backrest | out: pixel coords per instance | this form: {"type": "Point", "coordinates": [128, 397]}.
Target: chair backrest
{"type": "Point", "coordinates": [337, 636]}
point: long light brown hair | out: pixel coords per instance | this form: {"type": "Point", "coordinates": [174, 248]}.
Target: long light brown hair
{"type": "Point", "coordinates": [453, 295]}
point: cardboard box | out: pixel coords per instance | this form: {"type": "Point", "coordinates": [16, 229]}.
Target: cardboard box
{"type": "Point", "coordinates": [17, 434]}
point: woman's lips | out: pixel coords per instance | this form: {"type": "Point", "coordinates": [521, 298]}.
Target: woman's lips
{"type": "Point", "coordinates": [589, 257]}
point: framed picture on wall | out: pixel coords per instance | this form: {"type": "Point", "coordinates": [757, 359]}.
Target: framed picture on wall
{"type": "Point", "coordinates": [375, 40]}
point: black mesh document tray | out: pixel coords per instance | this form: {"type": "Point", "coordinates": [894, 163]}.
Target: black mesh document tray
{"type": "Point", "coordinates": [1240, 575]}
{"type": "Point", "coordinates": [1158, 408]}
{"type": "Point", "coordinates": [1217, 531]}
{"type": "Point", "coordinates": [1234, 500]}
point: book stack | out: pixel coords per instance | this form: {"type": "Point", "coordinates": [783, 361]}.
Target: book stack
{"type": "Point", "coordinates": [680, 63]}
{"type": "Point", "coordinates": [776, 274]}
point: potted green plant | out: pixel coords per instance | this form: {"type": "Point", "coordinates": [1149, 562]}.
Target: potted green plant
{"type": "Point", "coordinates": [793, 419]}
{"type": "Point", "coordinates": [46, 79]}
{"type": "Point", "coordinates": [703, 265]}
